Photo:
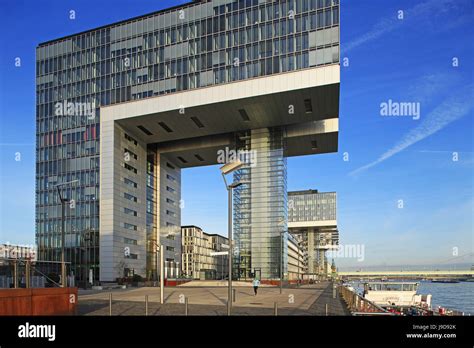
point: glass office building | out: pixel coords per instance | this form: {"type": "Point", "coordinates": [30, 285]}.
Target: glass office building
{"type": "Point", "coordinates": [312, 216]}
{"type": "Point", "coordinates": [201, 44]}
{"type": "Point", "coordinates": [311, 205]}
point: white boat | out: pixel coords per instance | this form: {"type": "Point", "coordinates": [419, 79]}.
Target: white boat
{"type": "Point", "coordinates": [399, 294]}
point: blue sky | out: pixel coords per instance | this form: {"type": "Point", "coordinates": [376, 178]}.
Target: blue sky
{"type": "Point", "coordinates": [389, 158]}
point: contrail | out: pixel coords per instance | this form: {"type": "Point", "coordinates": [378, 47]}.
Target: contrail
{"type": "Point", "coordinates": [450, 110]}
{"type": "Point", "coordinates": [385, 25]}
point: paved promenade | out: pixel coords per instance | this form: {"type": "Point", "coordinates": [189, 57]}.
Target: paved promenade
{"type": "Point", "coordinates": [306, 300]}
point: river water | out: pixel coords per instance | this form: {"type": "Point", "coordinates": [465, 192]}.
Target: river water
{"type": "Point", "coordinates": [459, 296]}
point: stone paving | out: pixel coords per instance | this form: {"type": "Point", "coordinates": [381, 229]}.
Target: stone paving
{"type": "Point", "coordinates": [306, 300]}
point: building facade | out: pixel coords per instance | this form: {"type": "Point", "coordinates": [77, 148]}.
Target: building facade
{"type": "Point", "coordinates": [297, 258]}
{"type": "Point", "coordinates": [312, 217]}
{"type": "Point", "coordinates": [204, 255]}
{"type": "Point", "coordinates": [123, 108]}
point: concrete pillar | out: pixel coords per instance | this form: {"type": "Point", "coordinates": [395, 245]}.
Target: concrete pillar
{"type": "Point", "coordinates": [168, 215]}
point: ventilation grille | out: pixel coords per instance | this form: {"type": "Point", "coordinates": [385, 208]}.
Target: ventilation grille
{"type": "Point", "coordinates": [165, 127]}
{"type": "Point", "coordinates": [308, 106]}
{"type": "Point", "coordinates": [144, 130]}
{"type": "Point", "coordinates": [244, 115]}
{"type": "Point", "coordinates": [197, 122]}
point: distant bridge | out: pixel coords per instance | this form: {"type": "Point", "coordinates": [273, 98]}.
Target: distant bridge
{"type": "Point", "coordinates": [409, 274]}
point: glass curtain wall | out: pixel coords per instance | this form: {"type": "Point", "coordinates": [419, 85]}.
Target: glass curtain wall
{"type": "Point", "coordinates": [260, 207]}
{"type": "Point", "coordinates": [191, 46]}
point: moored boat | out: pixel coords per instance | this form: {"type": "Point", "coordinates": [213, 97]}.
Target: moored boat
{"type": "Point", "coordinates": [396, 295]}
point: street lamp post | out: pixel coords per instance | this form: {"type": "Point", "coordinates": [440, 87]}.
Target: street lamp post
{"type": "Point", "coordinates": [63, 227]}
{"type": "Point", "coordinates": [86, 240]}
{"type": "Point", "coordinates": [281, 261]}
{"type": "Point", "coordinates": [281, 223]}
{"type": "Point", "coordinates": [298, 274]}
{"type": "Point", "coordinates": [227, 169]}
{"type": "Point", "coordinates": [162, 272]}
{"type": "Point", "coordinates": [159, 248]}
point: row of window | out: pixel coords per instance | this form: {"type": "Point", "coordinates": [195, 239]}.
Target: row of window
{"type": "Point", "coordinates": [74, 225]}
{"type": "Point", "coordinates": [92, 63]}
{"type": "Point", "coordinates": [181, 74]}
{"type": "Point", "coordinates": [196, 29]}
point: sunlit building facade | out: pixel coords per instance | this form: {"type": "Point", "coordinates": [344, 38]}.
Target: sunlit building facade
{"type": "Point", "coordinates": [204, 255]}
{"type": "Point", "coordinates": [125, 107]}
{"type": "Point", "coordinates": [312, 217]}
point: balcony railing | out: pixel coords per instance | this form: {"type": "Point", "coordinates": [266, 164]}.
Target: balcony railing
{"type": "Point", "coordinates": [359, 305]}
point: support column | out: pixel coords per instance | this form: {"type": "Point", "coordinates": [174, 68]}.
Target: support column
{"type": "Point", "coordinates": [123, 170]}
{"type": "Point", "coordinates": [168, 209]}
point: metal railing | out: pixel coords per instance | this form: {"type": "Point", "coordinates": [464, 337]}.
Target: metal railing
{"type": "Point", "coordinates": [359, 305]}
{"type": "Point", "coordinates": [26, 273]}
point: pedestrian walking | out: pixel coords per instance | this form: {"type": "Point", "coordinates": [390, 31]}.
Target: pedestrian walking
{"type": "Point", "coordinates": [256, 284]}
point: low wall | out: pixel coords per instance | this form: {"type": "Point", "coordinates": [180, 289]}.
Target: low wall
{"type": "Point", "coordinates": [38, 301]}
{"type": "Point", "coordinates": [275, 282]}
{"type": "Point", "coordinates": [176, 282]}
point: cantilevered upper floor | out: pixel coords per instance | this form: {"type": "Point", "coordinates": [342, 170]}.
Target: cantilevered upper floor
{"type": "Point", "coordinates": [194, 45]}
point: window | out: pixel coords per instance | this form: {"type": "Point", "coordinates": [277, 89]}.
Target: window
{"type": "Point", "coordinates": [130, 182]}
{"type": "Point", "coordinates": [127, 154]}
{"type": "Point", "coordinates": [335, 15]}
{"type": "Point", "coordinates": [130, 211]}
{"type": "Point", "coordinates": [130, 226]}
{"type": "Point", "coordinates": [169, 177]}
{"type": "Point", "coordinates": [130, 241]}
{"type": "Point", "coordinates": [133, 256]}
{"type": "Point", "coordinates": [171, 213]}
{"type": "Point", "coordinates": [170, 201]}
{"type": "Point", "coordinates": [130, 139]}
{"type": "Point", "coordinates": [169, 248]}
{"type": "Point", "coordinates": [130, 197]}
{"type": "Point", "coordinates": [170, 189]}
{"type": "Point", "coordinates": [130, 168]}
{"type": "Point", "coordinates": [328, 17]}
{"type": "Point", "coordinates": [320, 19]}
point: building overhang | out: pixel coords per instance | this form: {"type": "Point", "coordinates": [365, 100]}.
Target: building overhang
{"type": "Point", "coordinates": [326, 227]}
{"type": "Point", "coordinates": [193, 125]}
{"type": "Point", "coordinates": [321, 224]}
